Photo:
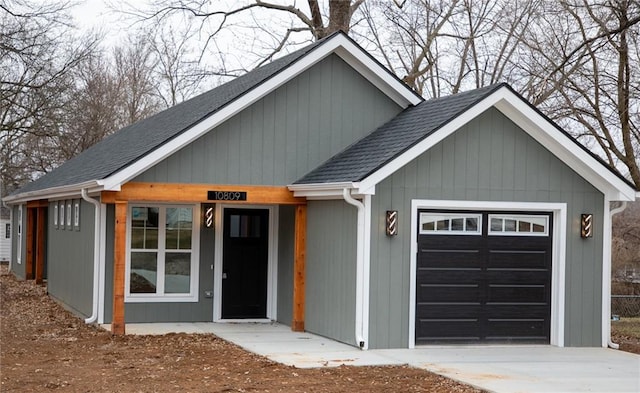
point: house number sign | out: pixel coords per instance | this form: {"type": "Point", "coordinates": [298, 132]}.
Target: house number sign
{"type": "Point", "coordinates": [227, 195]}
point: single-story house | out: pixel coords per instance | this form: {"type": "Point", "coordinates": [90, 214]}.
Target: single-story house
{"type": "Point", "coordinates": [321, 192]}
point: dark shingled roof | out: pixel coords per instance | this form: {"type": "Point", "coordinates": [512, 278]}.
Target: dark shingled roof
{"type": "Point", "coordinates": [411, 126]}
{"type": "Point", "coordinates": [139, 139]}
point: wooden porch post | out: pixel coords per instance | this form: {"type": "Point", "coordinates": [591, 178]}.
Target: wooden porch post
{"type": "Point", "coordinates": [28, 272]}
{"type": "Point", "coordinates": [300, 249]}
{"type": "Point", "coordinates": [40, 241]}
{"type": "Point", "coordinates": [119, 257]}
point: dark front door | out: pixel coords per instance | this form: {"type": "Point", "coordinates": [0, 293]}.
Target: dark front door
{"type": "Point", "coordinates": [483, 277]}
{"type": "Point", "coordinates": [244, 263]}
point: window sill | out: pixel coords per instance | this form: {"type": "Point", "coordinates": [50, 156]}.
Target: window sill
{"type": "Point", "coordinates": [189, 298]}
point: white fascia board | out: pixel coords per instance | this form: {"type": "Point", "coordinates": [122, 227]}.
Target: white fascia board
{"type": "Point", "coordinates": [327, 190]}
{"type": "Point", "coordinates": [564, 148]}
{"type": "Point", "coordinates": [339, 44]}
{"type": "Point", "coordinates": [54, 192]}
{"type": "Point", "coordinates": [533, 124]}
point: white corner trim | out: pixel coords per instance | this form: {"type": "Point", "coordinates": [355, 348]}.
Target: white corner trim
{"type": "Point", "coordinates": [558, 263]}
{"type": "Point", "coordinates": [339, 44]}
{"type": "Point", "coordinates": [533, 124]}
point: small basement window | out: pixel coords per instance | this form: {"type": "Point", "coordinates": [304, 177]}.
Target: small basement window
{"type": "Point", "coordinates": [450, 224]}
{"type": "Point", "coordinates": [519, 225]}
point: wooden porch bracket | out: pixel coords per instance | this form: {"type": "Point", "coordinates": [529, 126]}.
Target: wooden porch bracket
{"type": "Point", "coordinates": [300, 250]}
{"type": "Point", "coordinates": [119, 257]}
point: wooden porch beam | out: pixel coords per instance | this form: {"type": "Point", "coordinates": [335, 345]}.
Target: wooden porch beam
{"type": "Point", "coordinates": [119, 257]}
{"type": "Point", "coordinates": [41, 213]}
{"type": "Point", "coordinates": [28, 272]}
{"type": "Point", "coordinates": [179, 192]}
{"type": "Point", "coordinates": [300, 251]}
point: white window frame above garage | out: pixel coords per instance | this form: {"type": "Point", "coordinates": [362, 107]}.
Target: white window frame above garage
{"type": "Point", "coordinates": [558, 256]}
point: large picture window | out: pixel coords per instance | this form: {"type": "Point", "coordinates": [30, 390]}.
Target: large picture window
{"type": "Point", "coordinates": [162, 262]}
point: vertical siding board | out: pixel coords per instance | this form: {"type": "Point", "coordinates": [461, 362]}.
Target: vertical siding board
{"type": "Point", "coordinates": [533, 167]}
{"type": "Point", "coordinates": [70, 261]}
{"type": "Point", "coordinates": [285, 264]}
{"type": "Point", "coordinates": [268, 140]}
{"type": "Point", "coordinates": [302, 129]}
{"type": "Point", "coordinates": [257, 144]}
{"type": "Point", "coordinates": [329, 289]}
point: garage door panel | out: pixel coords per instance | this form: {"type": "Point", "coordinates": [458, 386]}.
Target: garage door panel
{"type": "Point", "coordinates": [433, 331]}
{"type": "Point", "coordinates": [443, 258]}
{"type": "Point", "coordinates": [449, 293]}
{"type": "Point", "coordinates": [439, 276]}
{"type": "Point", "coordinates": [510, 329]}
{"type": "Point", "coordinates": [521, 259]}
{"type": "Point", "coordinates": [516, 293]}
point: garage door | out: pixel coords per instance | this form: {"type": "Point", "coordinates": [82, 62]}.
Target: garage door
{"type": "Point", "coordinates": [483, 277]}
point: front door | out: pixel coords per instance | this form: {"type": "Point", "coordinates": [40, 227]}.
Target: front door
{"type": "Point", "coordinates": [245, 263]}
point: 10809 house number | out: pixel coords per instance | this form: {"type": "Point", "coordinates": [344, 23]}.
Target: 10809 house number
{"type": "Point", "coordinates": [226, 195]}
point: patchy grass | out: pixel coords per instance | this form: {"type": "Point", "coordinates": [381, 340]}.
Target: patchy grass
{"type": "Point", "coordinates": [626, 332]}
{"type": "Point", "coordinates": [627, 326]}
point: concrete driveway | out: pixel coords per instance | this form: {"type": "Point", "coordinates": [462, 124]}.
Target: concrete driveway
{"type": "Point", "coordinates": [492, 368]}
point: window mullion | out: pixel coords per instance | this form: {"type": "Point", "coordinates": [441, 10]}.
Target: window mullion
{"type": "Point", "coordinates": [162, 220]}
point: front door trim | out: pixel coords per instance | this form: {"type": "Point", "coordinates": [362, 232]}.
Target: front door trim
{"type": "Point", "coordinates": [559, 211]}
{"type": "Point", "coordinates": [272, 267]}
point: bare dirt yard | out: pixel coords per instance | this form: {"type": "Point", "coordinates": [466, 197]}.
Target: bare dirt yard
{"type": "Point", "coordinates": [45, 348]}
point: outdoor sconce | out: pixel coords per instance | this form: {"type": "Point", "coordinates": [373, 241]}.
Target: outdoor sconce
{"type": "Point", "coordinates": [586, 225]}
{"type": "Point", "coordinates": [207, 219]}
{"type": "Point", "coordinates": [392, 223]}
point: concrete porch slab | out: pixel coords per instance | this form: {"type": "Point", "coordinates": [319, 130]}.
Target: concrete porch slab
{"type": "Point", "coordinates": [505, 368]}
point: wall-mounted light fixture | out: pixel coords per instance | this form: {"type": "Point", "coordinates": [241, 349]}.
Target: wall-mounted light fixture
{"type": "Point", "coordinates": [586, 225]}
{"type": "Point", "coordinates": [392, 223]}
{"type": "Point", "coordinates": [208, 212]}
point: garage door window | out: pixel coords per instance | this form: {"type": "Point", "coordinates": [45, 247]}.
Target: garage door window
{"type": "Point", "coordinates": [450, 224]}
{"type": "Point", "coordinates": [518, 225]}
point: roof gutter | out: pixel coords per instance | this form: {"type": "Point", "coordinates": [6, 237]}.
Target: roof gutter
{"type": "Point", "coordinates": [54, 192]}
{"type": "Point", "coordinates": [362, 270]}
{"type": "Point", "coordinates": [607, 269]}
{"type": "Point", "coordinates": [96, 255]}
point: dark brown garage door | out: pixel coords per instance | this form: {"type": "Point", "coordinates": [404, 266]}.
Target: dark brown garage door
{"type": "Point", "coordinates": [483, 277]}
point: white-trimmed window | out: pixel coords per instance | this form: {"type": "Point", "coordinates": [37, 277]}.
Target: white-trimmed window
{"type": "Point", "coordinates": [19, 245]}
{"type": "Point", "coordinates": [162, 257]}
{"type": "Point", "coordinates": [450, 224]}
{"type": "Point", "coordinates": [519, 225]}
{"type": "Point", "coordinates": [76, 215]}
{"type": "Point", "coordinates": [55, 214]}
{"type": "Point", "coordinates": [61, 215]}
{"type": "Point", "coordinates": [69, 215]}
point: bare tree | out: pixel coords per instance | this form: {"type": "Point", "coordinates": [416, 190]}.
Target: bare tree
{"type": "Point", "coordinates": [588, 75]}
{"type": "Point", "coordinates": [273, 23]}
{"type": "Point", "coordinates": [37, 52]}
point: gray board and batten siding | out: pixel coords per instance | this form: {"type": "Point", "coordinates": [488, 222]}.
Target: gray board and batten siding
{"type": "Point", "coordinates": [201, 311]}
{"type": "Point", "coordinates": [330, 293]}
{"type": "Point", "coordinates": [489, 159]}
{"type": "Point", "coordinates": [285, 134]}
{"type": "Point", "coordinates": [70, 258]}
{"type": "Point", "coordinates": [286, 239]}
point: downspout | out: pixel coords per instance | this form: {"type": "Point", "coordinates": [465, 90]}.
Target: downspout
{"type": "Point", "coordinates": [360, 334]}
{"type": "Point", "coordinates": [96, 255]}
{"type": "Point", "coordinates": [613, 212]}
